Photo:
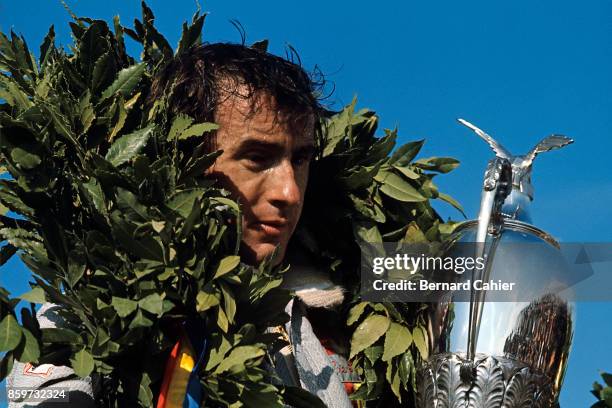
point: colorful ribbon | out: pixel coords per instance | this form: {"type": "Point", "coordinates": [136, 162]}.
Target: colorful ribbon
{"type": "Point", "coordinates": [181, 386]}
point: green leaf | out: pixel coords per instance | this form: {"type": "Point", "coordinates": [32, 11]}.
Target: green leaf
{"type": "Point", "coordinates": [103, 71]}
{"type": "Point", "coordinates": [36, 295]}
{"type": "Point", "coordinates": [451, 201]}
{"type": "Point", "coordinates": [183, 201]}
{"type": "Point", "coordinates": [10, 333]}
{"type": "Point", "coordinates": [229, 302]}
{"type": "Point", "coordinates": [119, 118]}
{"type": "Point", "coordinates": [429, 189]}
{"type": "Point", "coordinates": [28, 350]}
{"type": "Point", "coordinates": [62, 126]}
{"type": "Point", "coordinates": [22, 239]}
{"type": "Point", "coordinates": [13, 202]}
{"type": "Point", "coordinates": [96, 195]}
{"type": "Point", "coordinates": [140, 320]}
{"type": "Point", "coordinates": [24, 158]}
{"type": "Point", "coordinates": [381, 148]}
{"type": "Point", "coordinates": [406, 368]}
{"type": "Point", "coordinates": [200, 164]}
{"type": "Point", "coordinates": [238, 357]}
{"type": "Point", "coordinates": [227, 264]}
{"type": "Point", "coordinates": [191, 34]}
{"type": "Point", "coordinates": [6, 364]}
{"type": "Point", "coordinates": [87, 113]}
{"type": "Point", "coordinates": [414, 235]}
{"type": "Point", "coordinates": [228, 202]}
{"type": "Point", "coordinates": [419, 336]}
{"type": "Point", "coordinates": [145, 395]}
{"type": "Point", "coordinates": [369, 209]}
{"type": "Point", "coordinates": [407, 172]}
{"type": "Point", "coordinates": [217, 353]}
{"type": "Point", "coordinates": [122, 306]}
{"type": "Point", "coordinates": [367, 232]}
{"type": "Point", "coordinates": [47, 47]}
{"type": "Point", "coordinates": [205, 300]}
{"type": "Point", "coordinates": [404, 154]}
{"type": "Point", "coordinates": [371, 383]}
{"type": "Point", "coordinates": [606, 396]}
{"type": "Point", "coordinates": [13, 93]}
{"type": "Point", "coordinates": [152, 304]}
{"type": "Point", "coordinates": [373, 353]}
{"type": "Point", "coordinates": [91, 46]}
{"type": "Point", "coordinates": [439, 164]}
{"type": "Point", "coordinates": [370, 330]}
{"type": "Point", "coordinates": [179, 124]}
{"type": "Point", "coordinates": [82, 363]}
{"type": "Point", "coordinates": [222, 321]}
{"type": "Point", "coordinates": [130, 205]}
{"type": "Point", "coordinates": [77, 264]}
{"type": "Point", "coordinates": [197, 130]}
{"type": "Point", "coordinates": [393, 380]}
{"type": "Point", "coordinates": [126, 81]}
{"type": "Point", "coordinates": [60, 335]}
{"type": "Point", "coordinates": [183, 128]}
{"type": "Point", "coordinates": [147, 247]}
{"type": "Point", "coordinates": [356, 312]}
{"type": "Point", "coordinates": [128, 146]}
{"type": "Point", "coordinates": [395, 187]}
{"type": "Point", "coordinates": [397, 341]}
{"type": "Point", "coordinates": [299, 397]}
{"type": "Point", "coordinates": [159, 40]}
{"type": "Point", "coordinates": [358, 177]}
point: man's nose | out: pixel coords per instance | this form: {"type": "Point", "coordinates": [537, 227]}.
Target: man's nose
{"type": "Point", "coordinates": [284, 190]}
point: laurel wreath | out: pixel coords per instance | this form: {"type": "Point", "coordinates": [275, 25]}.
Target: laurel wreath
{"type": "Point", "coordinates": [111, 213]}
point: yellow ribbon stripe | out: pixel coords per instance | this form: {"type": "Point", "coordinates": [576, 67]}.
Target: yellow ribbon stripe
{"type": "Point", "coordinates": [180, 377]}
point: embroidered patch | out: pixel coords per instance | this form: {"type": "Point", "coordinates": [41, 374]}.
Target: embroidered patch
{"type": "Point", "coordinates": [43, 370]}
{"type": "Point", "coordinates": [343, 368]}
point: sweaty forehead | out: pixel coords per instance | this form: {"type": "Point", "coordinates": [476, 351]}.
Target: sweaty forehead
{"type": "Point", "coordinates": [241, 111]}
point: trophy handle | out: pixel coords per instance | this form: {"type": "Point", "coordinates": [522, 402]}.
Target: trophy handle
{"type": "Point", "coordinates": [496, 187]}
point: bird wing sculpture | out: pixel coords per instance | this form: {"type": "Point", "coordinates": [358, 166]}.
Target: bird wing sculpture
{"type": "Point", "coordinates": [499, 150]}
{"type": "Point", "coordinates": [548, 143]}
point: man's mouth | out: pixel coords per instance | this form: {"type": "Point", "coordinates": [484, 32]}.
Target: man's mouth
{"type": "Point", "coordinates": [272, 228]}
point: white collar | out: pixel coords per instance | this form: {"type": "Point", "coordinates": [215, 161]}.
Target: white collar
{"type": "Point", "coordinates": [313, 287]}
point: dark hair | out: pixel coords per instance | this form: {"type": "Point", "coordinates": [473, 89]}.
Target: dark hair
{"type": "Point", "coordinates": [192, 83]}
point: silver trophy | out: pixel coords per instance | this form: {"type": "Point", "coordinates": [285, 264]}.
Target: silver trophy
{"type": "Point", "coordinates": [494, 354]}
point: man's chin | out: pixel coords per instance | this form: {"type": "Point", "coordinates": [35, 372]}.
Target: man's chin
{"type": "Point", "coordinates": [255, 254]}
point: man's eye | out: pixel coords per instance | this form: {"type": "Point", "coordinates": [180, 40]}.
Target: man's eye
{"type": "Point", "coordinates": [256, 158]}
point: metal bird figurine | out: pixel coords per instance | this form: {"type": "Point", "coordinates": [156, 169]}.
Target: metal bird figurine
{"type": "Point", "coordinates": [521, 165]}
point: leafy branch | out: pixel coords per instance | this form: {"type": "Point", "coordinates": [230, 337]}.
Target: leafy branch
{"type": "Point", "coordinates": [603, 393]}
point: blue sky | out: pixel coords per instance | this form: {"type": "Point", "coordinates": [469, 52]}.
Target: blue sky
{"type": "Point", "coordinates": [520, 70]}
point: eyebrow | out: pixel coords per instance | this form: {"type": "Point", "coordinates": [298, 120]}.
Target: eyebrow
{"type": "Point", "coordinates": [275, 148]}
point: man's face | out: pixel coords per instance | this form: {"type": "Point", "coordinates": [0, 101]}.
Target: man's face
{"type": "Point", "coordinates": [264, 165]}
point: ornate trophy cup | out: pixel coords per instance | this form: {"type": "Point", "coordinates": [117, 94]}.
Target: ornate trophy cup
{"type": "Point", "coordinates": [492, 354]}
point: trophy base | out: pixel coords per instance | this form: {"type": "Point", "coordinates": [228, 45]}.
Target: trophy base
{"type": "Point", "coordinates": [451, 380]}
